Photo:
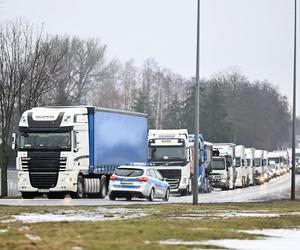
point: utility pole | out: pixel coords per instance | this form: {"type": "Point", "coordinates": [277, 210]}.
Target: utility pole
{"type": "Point", "coordinates": [294, 108]}
{"type": "Point", "coordinates": [196, 132]}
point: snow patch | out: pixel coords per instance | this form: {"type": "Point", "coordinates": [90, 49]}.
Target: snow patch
{"type": "Point", "coordinates": [276, 239]}
{"type": "Point", "coordinates": [100, 214]}
{"type": "Point", "coordinates": [233, 214]}
{"type": "Point", "coordinates": [33, 237]}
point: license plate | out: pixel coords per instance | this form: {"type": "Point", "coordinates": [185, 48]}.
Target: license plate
{"type": "Point", "coordinates": [126, 183]}
{"type": "Point", "coordinates": [43, 190]}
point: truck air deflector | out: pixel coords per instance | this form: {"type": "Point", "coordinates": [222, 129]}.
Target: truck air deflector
{"type": "Point", "coordinates": [91, 140]}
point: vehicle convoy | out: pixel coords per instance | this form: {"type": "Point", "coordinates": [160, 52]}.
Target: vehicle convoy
{"type": "Point", "coordinates": [250, 154]}
{"type": "Point", "coordinates": [138, 181]}
{"type": "Point", "coordinates": [242, 179]}
{"type": "Point", "coordinates": [205, 163]}
{"type": "Point", "coordinates": [75, 150]}
{"type": "Point", "coordinates": [170, 153]}
{"type": "Point", "coordinates": [258, 167]}
{"type": "Point", "coordinates": [224, 171]}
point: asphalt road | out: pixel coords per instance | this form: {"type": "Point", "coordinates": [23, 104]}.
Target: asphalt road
{"type": "Point", "coordinates": [276, 189]}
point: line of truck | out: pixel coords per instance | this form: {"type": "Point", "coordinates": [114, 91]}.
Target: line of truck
{"type": "Point", "coordinates": [75, 151]}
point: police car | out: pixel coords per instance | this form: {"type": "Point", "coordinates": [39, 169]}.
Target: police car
{"type": "Point", "coordinates": [138, 181]}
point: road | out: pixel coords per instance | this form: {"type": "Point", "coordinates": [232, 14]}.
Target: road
{"type": "Point", "coordinates": [276, 189]}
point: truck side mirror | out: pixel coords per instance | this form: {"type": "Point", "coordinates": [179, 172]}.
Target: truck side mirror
{"type": "Point", "coordinates": [14, 141]}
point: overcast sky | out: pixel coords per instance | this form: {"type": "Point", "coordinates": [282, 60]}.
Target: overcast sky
{"type": "Point", "coordinates": [254, 36]}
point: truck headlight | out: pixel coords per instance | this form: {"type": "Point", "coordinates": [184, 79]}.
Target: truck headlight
{"type": "Point", "coordinates": [223, 180]}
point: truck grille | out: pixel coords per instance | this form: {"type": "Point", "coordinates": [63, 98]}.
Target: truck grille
{"type": "Point", "coordinates": [43, 168]}
{"type": "Point", "coordinates": [173, 177]}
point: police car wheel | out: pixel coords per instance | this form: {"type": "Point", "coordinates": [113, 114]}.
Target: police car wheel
{"type": "Point", "coordinates": [151, 195]}
{"type": "Point", "coordinates": [167, 195]}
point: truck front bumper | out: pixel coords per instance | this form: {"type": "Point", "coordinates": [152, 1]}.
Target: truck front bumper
{"type": "Point", "coordinates": [220, 183]}
{"type": "Point", "coordinates": [66, 182]}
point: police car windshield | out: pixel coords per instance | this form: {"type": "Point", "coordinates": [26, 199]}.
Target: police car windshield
{"type": "Point", "coordinates": [129, 172]}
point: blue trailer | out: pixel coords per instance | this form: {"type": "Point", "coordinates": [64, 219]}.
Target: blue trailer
{"type": "Point", "coordinates": [75, 149]}
{"type": "Point", "coordinates": [205, 163]}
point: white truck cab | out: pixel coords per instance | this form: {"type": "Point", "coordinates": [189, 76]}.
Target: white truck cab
{"type": "Point", "coordinates": [250, 154]}
{"type": "Point", "coordinates": [223, 173]}
{"type": "Point", "coordinates": [169, 152]}
{"type": "Point", "coordinates": [258, 167]}
{"type": "Point", "coordinates": [241, 169]}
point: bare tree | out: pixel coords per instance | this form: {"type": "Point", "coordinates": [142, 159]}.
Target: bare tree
{"type": "Point", "coordinates": [82, 64]}
{"type": "Point", "coordinates": [27, 63]}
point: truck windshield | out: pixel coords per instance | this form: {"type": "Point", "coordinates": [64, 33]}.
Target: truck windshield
{"type": "Point", "coordinates": [274, 159]}
{"type": "Point", "coordinates": [257, 162]}
{"type": "Point", "coordinates": [218, 164]}
{"type": "Point", "coordinates": [45, 141]}
{"type": "Point", "coordinates": [237, 162]}
{"type": "Point", "coordinates": [167, 153]}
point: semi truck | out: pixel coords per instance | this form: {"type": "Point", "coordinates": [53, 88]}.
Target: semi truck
{"type": "Point", "coordinates": [75, 150]}
{"type": "Point", "coordinates": [258, 167]}
{"type": "Point", "coordinates": [224, 171]}
{"type": "Point", "coordinates": [275, 162]}
{"type": "Point", "coordinates": [265, 166]}
{"type": "Point", "coordinates": [250, 153]}
{"type": "Point", "coordinates": [170, 153]}
{"type": "Point", "coordinates": [242, 179]}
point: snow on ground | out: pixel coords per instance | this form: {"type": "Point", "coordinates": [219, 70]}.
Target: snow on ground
{"type": "Point", "coordinates": [275, 239]}
{"type": "Point", "coordinates": [100, 214]}
{"type": "Point", "coordinates": [231, 214]}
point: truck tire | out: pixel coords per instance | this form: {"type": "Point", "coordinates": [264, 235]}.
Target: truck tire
{"type": "Point", "coordinates": [151, 195]}
{"type": "Point", "coordinates": [103, 187]}
{"type": "Point", "coordinates": [184, 192]}
{"type": "Point", "coordinates": [28, 195]}
{"type": "Point", "coordinates": [79, 194]}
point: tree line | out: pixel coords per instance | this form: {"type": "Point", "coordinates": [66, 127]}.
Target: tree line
{"type": "Point", "coordinates": [38, 69]}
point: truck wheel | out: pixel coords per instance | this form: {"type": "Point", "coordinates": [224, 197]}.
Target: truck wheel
{"type": "Point", "coordinates": [151, 195]}
{"type": "Point", "coordinates": [103, 187]}
{"type": "Point", "coordinates": [28, 195]}
{"type": "Point", "coordinates": [167, 195]}
{"type": "Point", "coordinates": [80, 189]}
{"type": "Point", "coordinates": [184, 192]}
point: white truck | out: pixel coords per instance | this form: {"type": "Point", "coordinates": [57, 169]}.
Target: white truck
{"type": "Point", "coordinates": [258, 167]}
{"type": "Point", "coordinates": [275, 162]}
{"type": "Point", "coordinates": [265, 166]}
{"type": "Point", "coordinates": [75, 150]}
{"type": "Point", "coordinates": [223, 173]}
{"type": "Point", "coordinates": [250, 154]}
{"type": "Point", "coordinates": [240, 164]}
{"type": "Point", "coordinates": [169, 152]}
